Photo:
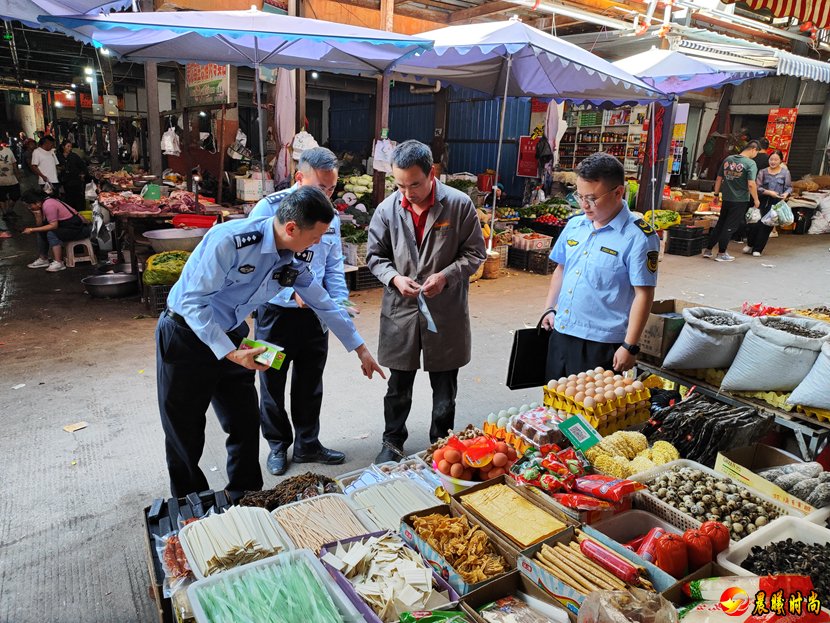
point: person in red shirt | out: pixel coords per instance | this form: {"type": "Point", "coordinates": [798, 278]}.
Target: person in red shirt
{"type": "Point", "coordinates": [57, 223]}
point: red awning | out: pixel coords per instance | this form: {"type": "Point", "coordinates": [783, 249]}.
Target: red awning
{"type": "Point", "coordinates": [815, 11]}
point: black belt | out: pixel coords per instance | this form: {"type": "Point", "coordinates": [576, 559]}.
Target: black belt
{"type": "Point", "coordinates": [177, 318]}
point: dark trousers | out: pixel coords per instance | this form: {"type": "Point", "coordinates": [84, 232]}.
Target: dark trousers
{"type": "Point", "coordinates": [398, 402]}
{"type": "Point", "coordinates": [758, 233]}
{"type": "Point", "coordinates": [75, 195]}
{"type": "Point", "coordinates": [571, 355]}
{"type": "Point", "coordinates": [732, 217]}
{"type": "Point", "coordinates": [306, 346]}
{"type": "Point", "coordinates": [189, 379]}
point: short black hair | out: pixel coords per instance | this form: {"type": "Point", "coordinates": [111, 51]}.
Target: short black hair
{"type": "Point", "coordinates": [778, 153]}
{"type": "Point", "coordinates": [33, 195]}
{"type": "Point", "coordinates": [318, 158]}
{"type": "Point", "coordinates": [306, 206]}
{"type": "Point", "coordinates": [763, 142]}
{"type": "Point", "coordinates": [44, 140]}
{"type": "Point", "coordinates": [751, 145]}
{"type": "Point", "coordinates": [413, 153]}
{"type": "Point", "coordinates": [67, 142]}
{"type": "Point", "coordinates": [601, 167]}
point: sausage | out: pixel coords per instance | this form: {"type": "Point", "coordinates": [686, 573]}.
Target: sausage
{"type": "Point", "coordinates": [648, 549]}
{"type": "Point", "coordinates": [621, 568]}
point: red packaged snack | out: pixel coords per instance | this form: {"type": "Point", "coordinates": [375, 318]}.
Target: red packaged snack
{"type": "Point", "coordinates": [634, 544]}
{"type": "Point", "coordinates": [580, 502]}
{"type": "Point", "coordinates": [718, 534]}
{"type": "Point", "coordinates": [607, 487]}
{"type": "Point", "coordinates": [671, 555]}
{"type": "Point", "coordinates": [698, 548]}
{"type": "Point", "coordinates": [648, 548]}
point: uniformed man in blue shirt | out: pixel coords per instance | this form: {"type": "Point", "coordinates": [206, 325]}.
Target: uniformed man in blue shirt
{"type": "Point", "coordinates": [288, 322]}
{"type": "Point", "coordinates": [601, 292]}
{"type": "Point", "coordinates": [237, 267]}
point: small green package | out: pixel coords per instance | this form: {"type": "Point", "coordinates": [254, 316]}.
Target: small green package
{"type": "Point", "coordinates": [273, 356]}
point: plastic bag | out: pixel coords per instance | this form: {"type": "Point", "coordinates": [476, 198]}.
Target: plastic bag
{"type": "Point", "coordinates": [607, 487]}
{"type": "Point", "coordinates": [632, 605]}
{"type": "Point", "coordinates": [170, 143]}
{"type": "Point", "coordinates": [91, 192]}
{"type": "Point", "coordinates": [753, 215]}
{"type": "Point", "coordinates": [770, 219]}
{"type": "Point", "coordinates": [814, 390]}
{"type": "Point", "coordinates": [702, 344]}
{"type": "Point", "coordinates": [785, 214]}
{"type": "Point", "coordinates": [165, 268]}
{"type": "Point", "coordinates": [773, 360]}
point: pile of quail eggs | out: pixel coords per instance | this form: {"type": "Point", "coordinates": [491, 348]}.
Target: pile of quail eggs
{"type": "Point", "coordinates": [708, 498]}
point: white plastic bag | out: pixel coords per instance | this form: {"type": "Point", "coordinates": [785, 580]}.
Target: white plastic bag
{"type": "Point", "coordinates": [753, 215]}
{"type": "Point", "coordinates": [770, 219]}
{"type": "Point", "coordinates": [785, 214]}
{"type": "Point", "coordinates": [705, 345]}
{"type": "Point", "coordinates": [91, 192]}
{"type": "Point", "coordinates": [170, 143]}
{"type": "Point", "coordinates": [774, 360]}
{"type": "Point", "coordinates": [814, 390]}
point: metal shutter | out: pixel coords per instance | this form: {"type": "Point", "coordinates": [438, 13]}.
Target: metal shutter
{"type": "Point", "coordinates": [803, 147]}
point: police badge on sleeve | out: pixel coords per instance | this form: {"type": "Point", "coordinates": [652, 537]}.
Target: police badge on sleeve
{"type": "Point", "coordinates": [652, 257]}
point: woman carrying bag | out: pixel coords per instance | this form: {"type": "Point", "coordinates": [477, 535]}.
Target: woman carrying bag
{"type": "Point", "coordinates": [57, 223]}
{"type": "Point", "coordinates": [774, 185]}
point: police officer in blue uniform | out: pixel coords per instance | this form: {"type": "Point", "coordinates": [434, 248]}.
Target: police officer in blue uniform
{"type": "Point", "coordinates": [287, 321]}
{"type": "Point", "coordinates": [601, 292]}
{"type": "Point", "coordinates": [237, 267]}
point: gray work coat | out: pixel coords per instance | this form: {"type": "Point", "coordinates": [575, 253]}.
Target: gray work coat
{"type": "Point", "coordinates": [452, 244]}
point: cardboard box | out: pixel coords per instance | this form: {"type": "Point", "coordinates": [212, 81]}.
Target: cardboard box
{"type": "Point", "coordinates": [253, 190]}
{"type": "Point", "coordinates": [675, 592]}
{"type": "Point", "coordinates": [705, 223]}
{"type": "Point", "coordinates": [742, 463]}
{"type": "Point", "coordinates": [510, 584]}
{"type": "Point", "coordinates": [663, 326]}
{"type": "Point", "coordinates": [520, 490]}
{"type": "Point", "coordinates": [438, 562]}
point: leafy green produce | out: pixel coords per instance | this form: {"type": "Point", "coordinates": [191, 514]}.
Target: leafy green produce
{"type": "Point", "coordinates": [462, 185]}
{"type": "Point", "coordinates": [164, 269]}
{"type": "Point", "coordinates": [284, 592]}
{"type": "Point", "coordinates": [353, 234]}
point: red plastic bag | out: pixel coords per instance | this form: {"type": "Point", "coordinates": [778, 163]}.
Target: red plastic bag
{"type": "Point", "coordinates": [607, 487]}
{"type": "Point", "coordinates": [580, 502]}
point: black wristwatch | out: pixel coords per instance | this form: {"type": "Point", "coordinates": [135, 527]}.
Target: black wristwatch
{"type": "Point", "coordinates": [631, 348]}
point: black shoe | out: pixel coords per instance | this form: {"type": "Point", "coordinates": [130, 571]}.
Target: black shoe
{"type": "Point", "coordinates": [277, 462]}
{"type": "Point", "coordinates": [323, 455]}
{"type": "Point", "coordinates": [389, 453]}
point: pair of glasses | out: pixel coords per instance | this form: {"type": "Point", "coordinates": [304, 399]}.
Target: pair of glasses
{"type": "Point", "coordinates": [592, 201]}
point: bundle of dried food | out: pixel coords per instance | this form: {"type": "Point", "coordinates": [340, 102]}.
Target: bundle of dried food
{"type": "Point", "coordinates": [806, 481]}
{"type": "Point", "coordinates": [796, 558]}
{"type": "Point", "coordinates": [314, 522]}
{"type": "Point", "coordinates": [291, 489]}
{"type": "Point", "coordinates": [626, 453]}
{"type": "Point", "coordinates": [631, 605]}
{"type": "Point", "coordinates": [466, 548]}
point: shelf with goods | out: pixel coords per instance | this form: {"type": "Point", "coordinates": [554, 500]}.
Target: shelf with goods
{"type": "Point", "coordinates": [590, 130]}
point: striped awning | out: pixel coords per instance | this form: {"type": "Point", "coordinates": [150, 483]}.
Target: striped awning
{"type": "Point", "coordinates": [815, 11]}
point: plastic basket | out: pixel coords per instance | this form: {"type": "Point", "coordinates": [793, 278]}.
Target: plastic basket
{"type": "Point", "coordinates": [628, 525]}
{"type": "Point", "coordinates": [686, 247]}
{"type": "Point", "coordinates": [454, 485]}
{"type": "Point", "coordinates": [516, 258]}
{"type": "Point", "coordinates": [363, 279]}
{"type": "Point", "coordinates": [347, 609]}
{"type": "Point", "coordinates": [532, 244]}
{"type": "Point", "coordinates": [538, 262]}
{"type": "Point", "coordinates": [685, 232]}
{"type": "Point", "coordinates": [157, 298]}
{"type": "Point", "coordinates": [503, 250]}
{"type": "Point", "coordinates": [649, 502]}
{"type": "Point", "coordinates": [420, 473]}
{"type": "Point", "coordinates": [345, 481]}
{"type": "Point", "coordinates": [781, 529]}
{"type": "Point", "coordinates": [191, 559]}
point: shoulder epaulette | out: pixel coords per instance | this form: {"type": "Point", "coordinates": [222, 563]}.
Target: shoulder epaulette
{"type": "Point", "coordinates": [644, 227]}
{"type": "Point", "coordinates": [247, 238]}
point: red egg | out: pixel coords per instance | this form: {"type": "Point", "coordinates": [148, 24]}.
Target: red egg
{"type": "Point", "coordinates": [444, 467]}
{"type": "Point", "coordinates": [500, 459]}
{"type": "Point", "coordinates": [457, 470]}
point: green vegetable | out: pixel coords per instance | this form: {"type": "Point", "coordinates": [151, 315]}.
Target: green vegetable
{"type": "Point", "coordinates": [525, 230]}
{"type": "Point", "coordinates": [350, 233]}
{"type": "Point", "coordinates": [283, 592]}
{"type": "Point", "coordinates": [462, 185]}
{"type": "Point", "coordinates": [164, 269]}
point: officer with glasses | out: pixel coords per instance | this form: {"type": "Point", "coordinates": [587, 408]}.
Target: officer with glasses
{"type": "Point", "coordinates": [601, 292]}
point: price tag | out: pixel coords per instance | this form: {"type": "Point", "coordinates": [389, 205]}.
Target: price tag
{"type": "Point", "coordinates": [581, 434]}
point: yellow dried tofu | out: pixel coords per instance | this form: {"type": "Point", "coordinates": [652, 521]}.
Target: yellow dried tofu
{"type": "Point", "coordinates": [512, 514]}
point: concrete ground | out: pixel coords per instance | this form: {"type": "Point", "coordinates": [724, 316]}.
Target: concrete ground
{"type": "Point", "coordinates": [71, 542]}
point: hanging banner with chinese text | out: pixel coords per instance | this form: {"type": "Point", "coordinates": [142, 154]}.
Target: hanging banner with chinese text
{"type": "Point", "coordinates": [207, 84]}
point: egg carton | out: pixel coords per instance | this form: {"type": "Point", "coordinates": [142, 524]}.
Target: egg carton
{"type": "Point", "coordinates": [566, 403]}
{"type": "Point", "coordinates": [650, 502]}
{"type": "Point", "coordinates": [822, 415]}
{"type": "Point", "coordinates": [510, 437]}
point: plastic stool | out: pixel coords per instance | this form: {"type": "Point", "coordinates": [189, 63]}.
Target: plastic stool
{"type": "Point", "coordinates": [87, 256]}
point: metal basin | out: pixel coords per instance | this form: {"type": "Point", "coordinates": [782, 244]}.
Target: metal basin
{"type": "Point", "coordinates": [111, 286]}
{"type": "Point", "coordinates": [175, 239]}
{"type": "Point", "coordinates": [109, 269]}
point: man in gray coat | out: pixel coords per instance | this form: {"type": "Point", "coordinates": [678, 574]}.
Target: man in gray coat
{"type": "Point", "coordinates": [425, 242]}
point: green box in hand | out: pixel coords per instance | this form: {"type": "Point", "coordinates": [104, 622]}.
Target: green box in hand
{"type": "Point", "coordinates": [273, 356]}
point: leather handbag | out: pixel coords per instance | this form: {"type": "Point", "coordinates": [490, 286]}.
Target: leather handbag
{"type": "Point", "coordinates": [529, 357]}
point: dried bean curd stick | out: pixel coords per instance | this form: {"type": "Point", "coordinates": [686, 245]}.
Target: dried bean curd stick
{"type": "Point", "coordinates": [586, 568]}
{"type": "Point", "coordinates": [560, 570]}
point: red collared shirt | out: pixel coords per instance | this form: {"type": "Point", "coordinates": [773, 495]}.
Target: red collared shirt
{"type": "Point", "coordinates": [419, 221]}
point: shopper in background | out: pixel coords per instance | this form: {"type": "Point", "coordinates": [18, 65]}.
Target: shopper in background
{"type": "Point", "coordinates": [498, 189]}
{"type": "Point", "coordinates": [73, 176]}
{"type": "Point", "coordinates": [56, 223]}
{"type": "Point", "coordinates": [288, 322]}
{"type": "Point", "coordinates": [601, 292]}
{"type": "Point", "coordinates": [45, 165]}
{"type": "Point", "coordinates": [425, 243]}
{"type": "Point", "coordinates": [762, 159]}
{"type": "Point", "coordinates": [9, 187]}
{"type": "Point", "coordinates": [736, 184]}
{"type": "Point", "coordinates": [774, 185]}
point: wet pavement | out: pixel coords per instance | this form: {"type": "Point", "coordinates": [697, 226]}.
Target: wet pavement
{"type": "Point", "coordinates": [71, 542]}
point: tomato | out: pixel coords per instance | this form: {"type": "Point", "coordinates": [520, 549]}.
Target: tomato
{"type": "Point", "coordinates": [718, 534]}
{"type": "Point", "coordinates": [671, 555]}
{"type": "Point", "coordinates": [698, 548]}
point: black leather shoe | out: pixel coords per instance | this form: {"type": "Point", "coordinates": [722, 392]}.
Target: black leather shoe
{"type": "Point", "coordinates": [388, 453]}
{"type": "Point", "coordinates": [277, 462]}
{"type": "Point", "coordinates": [324, 456]}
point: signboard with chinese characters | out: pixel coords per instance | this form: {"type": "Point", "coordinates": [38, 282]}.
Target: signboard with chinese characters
{"type": "Point", "coordinates": [19, 98]}
{"type": "Point", "coordinates": [526, 165]}
{"type": "Point", "coordinates": [207, 84]}
{"type": "Point", "coordinates": [780, 127]}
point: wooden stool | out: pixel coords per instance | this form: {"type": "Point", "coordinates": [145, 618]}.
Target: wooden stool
{"type": "Point", "coordinates": [87, 256]}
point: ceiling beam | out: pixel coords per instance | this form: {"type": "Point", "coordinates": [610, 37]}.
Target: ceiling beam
{"type": "Point", "coordinates": [483, 10]}
{"type": "Point", "coordinates": [426, 14]}
{"type": "Point", "coordinates": [437, 4]}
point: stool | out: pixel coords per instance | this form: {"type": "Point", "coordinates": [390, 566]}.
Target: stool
{"type": "Point", "coordinates": [87, 256]}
